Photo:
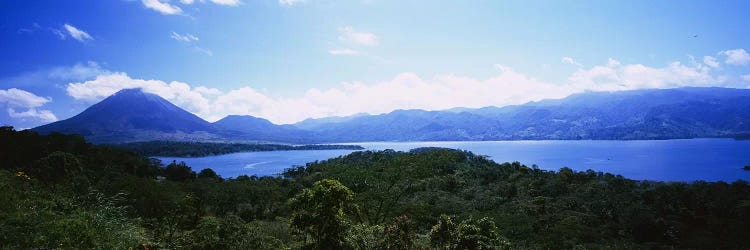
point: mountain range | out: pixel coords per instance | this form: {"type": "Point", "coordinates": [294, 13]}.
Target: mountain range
{"type": "Point", "coordinates": [132, 115]}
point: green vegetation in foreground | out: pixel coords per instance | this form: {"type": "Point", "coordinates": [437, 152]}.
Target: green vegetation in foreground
{"type": "Point", "coordinates": [59, 192]}
{"type": "Point", "coordinates": [198, 149]}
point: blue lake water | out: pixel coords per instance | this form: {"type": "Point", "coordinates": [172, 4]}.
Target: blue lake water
{"type": "Point", "coordinates": [666, 160]}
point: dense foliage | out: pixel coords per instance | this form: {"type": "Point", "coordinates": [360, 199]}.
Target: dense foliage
{"type": "Point", "coordinates": [60, 192]}
{"type": "Point", "coordinates": [198, 149]}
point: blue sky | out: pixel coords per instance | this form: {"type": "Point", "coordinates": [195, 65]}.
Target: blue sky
{"type": "Point", "coordinates": [287, 60]}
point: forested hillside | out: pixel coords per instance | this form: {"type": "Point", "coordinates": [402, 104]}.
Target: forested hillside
{"type": "Point", "coordinates": [60, 192]}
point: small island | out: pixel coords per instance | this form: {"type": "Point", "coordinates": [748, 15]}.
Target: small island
{"type": "Point", "coordinates": [199, 149]}
{"type": "Point", "coordinates": [747, 167]}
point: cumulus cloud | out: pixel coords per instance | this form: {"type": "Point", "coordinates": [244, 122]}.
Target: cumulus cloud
{"type": "Point", "coordinates": [403, 91]}
{"type": "Point", "coordinates": [406, 90]}
{"type": "Point", "coordinates": [736, 57]}
{"type": "Point", "coordinates": [20, 98]}
{"type": "Point", "coordinates": [184, 38]}
{"type": "Point", "coordinates": [616, 76]}
{"type": "Point", "coordinates": [343, 52]}
{"type": "Point", "coordinates": [41, 114]}
{"type": "Point", "coordinates": [76, 33]}
{"type": "Point", "coordinates": [107, 84]}
{"type": "Point", "coordinates": [349, 35]}
{"type": "Point", "coordinates": [288, 3]}
{"type": "Point", "coordinates": [162, 7]}
{"type": "Point", "coordinates": [15, 99]}
{"type": "Point", "coordinates": [570, 60]}
{"type": "Point", "coordinates": [710, 61]}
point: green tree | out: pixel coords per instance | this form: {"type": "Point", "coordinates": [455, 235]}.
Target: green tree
{"type": "Point", "coordinates": [444, 234]}
{"type": "Point", "coordinates": [56, 167]}
{"type": "Point", "coordinates": [363, 237]}
{"type": "Point", "coordinates": [208, 173]}
{"type": "Point", "coordinates": [401, 234]}
{"type": "Point", "coordinates": [318, 212]}
{"type": "Point", "coordinates": [228, 232]}
{"type": "Point", "coordinates": [480, 234]}
{"type": "Point", "coordinates": [178, 172]}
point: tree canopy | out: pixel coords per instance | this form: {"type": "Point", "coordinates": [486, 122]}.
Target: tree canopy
{"type": "Point", "coordinates": [58, 191]}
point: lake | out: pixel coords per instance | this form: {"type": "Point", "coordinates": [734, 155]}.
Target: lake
{"type": "Point", "coordinates": [665, 160]}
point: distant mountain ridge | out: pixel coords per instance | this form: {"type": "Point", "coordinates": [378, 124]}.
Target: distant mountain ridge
{"type": "Point", "coordinates": [254, 128]}
{"type": "Point", "coordinates": [131, 115]}
{"type": "Point", "coordinates": [625, 115]}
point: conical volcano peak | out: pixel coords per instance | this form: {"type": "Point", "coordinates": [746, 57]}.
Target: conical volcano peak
{"type": "Point", "coordinates": [130, 91]}
{"type": "Point", "coordinates": [132, 115]}
{"type": "Point", "coordinates": [134, 94]}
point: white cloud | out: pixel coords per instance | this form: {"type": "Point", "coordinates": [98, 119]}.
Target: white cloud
{"type": "Point", "coordinates": [15, 99]}
{"type": "Point", "coordinates": [41, 114]}
{"type": "Point", "coordinates": [208, 52]}
{"type": "Point", "coordinates": [184, 38]}
{"type": "Point", "coordinates": [18, 98]}
{"type": "Point", "coordinates": [570, 60]}
{"type": "Point", "coordinates": [745, 78]}
{"type": "Point", "coordinates": [162, 7]}
{"type": "Point", "coordinates": [107, 84]}
{"type": "Point", "coordinates": [227, 2]}
{"type": "Point", "coordinates": [616, 76]}
{"type": "Point", "coordinates": [347, 34]}
{"type": "Point", "coordinates": [54, 77]}
{"type": "Point", "coordinates": [189, 38]}
{"type": "Point", "coordinates": [710, 61]}
{"type": "Point", "coordinates": [58, 33]}
{"type": "Point", "coordinates": [219, 2]}
{"type": "Point", "coordinates": [736, 57]}
{"type": "Point", "coordinates": [343, 52]}
{"type": "Point", "coordinates": [68, 30]}
{"type": "Point", "coordinates": [288, 3]}
{"type": "Point", "coordinates": [78, 71]}
{"type": "Point", "coordinates": [404, 91]}
{"type": "Point", "coordinates": [76, 33]}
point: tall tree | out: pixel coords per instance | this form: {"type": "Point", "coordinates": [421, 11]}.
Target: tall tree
{"type": "Point", "coordinates": [318, 212]}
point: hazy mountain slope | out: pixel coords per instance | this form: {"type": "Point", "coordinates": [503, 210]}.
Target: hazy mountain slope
{"type": "Point", "coordinates": [638, 114]}
{"type": "Point", "coordinates": [408, 125]}
{"type": "Point", "coordinates": [254, 128]}
{"type": "Point", "coordinates": [316, 123]}
{"type": "Point", "coordinates": [131, 115]}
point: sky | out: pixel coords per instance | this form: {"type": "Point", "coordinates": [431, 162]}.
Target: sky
{"type": "Point", "coordinates": [289, 60]}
